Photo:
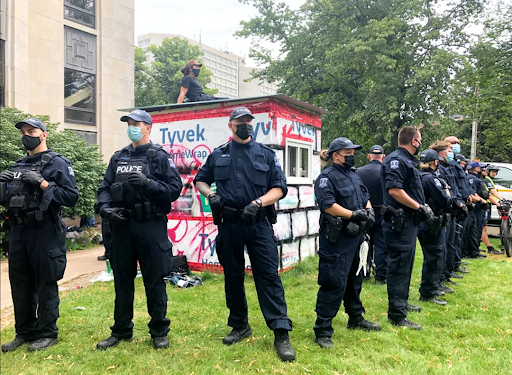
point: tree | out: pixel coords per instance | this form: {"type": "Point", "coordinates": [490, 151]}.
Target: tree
{"type": "Point", "coordinates": [376, 66]}
{"type": "Point", "coordinates": [160, 83]}
{"type": "Point", "coordinates": [85, 159]}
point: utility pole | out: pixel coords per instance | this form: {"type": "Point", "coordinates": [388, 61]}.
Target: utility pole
{"type": "Point", "coordinates": [474, 130]}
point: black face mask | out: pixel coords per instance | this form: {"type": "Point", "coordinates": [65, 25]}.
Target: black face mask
{"type": "Point", "coordinates": [29, 142]}
{"type": "Point", "coordinates": [196, 72]}
{"type": "Point", "coordinates": [349, 161]}
{"type": "Point", "coordinates": [243, 131]}
{"type": "Point", "coordinates": [417, 148]}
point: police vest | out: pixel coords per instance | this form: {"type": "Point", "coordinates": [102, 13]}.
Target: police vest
{"type": "Point", "coordinates": [493, 186]}
{"type": "Point", "coordinates": [123, 193]}
{"type": "Point", "coordinates": [20, 196]}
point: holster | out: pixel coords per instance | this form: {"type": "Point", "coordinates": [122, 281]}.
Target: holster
{"type": "Point", "coordinates": [217, 216]}
{"type": "Point", "coordinates": [271, 213]}
{"type": "Point", "coordinates": [395, 216]}
{"type": "Point", "coordinates": [436, 225]}
{"type": "Point", "coordinates": [333, 226]}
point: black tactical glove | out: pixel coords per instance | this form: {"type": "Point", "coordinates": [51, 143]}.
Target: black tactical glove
{"type": "Point", "coordinates": [114, 215]}
{"type": "Point", "coordinates": [138, 179]}
{"type": "Point", "coordinates": [360, 215]}
{"type": "Point", "coordinates": [216, 204]}
{"type": "Point", "coordinates": [32, 177]}
{"type": "Point", "coordinates": [6, 176]}
{"type": "Point", "coordinates": [371, 217]}
{"type": "Point", "coordinates": [426, 214]}
{"type": "Point", "coordinates": [249, 214]}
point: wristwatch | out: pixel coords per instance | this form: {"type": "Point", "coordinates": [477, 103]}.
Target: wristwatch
{"type": "Point", "coordinates": [259, 202]}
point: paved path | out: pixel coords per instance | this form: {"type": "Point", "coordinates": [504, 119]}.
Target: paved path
{"type": "Point", "coordinates": [79, 262]}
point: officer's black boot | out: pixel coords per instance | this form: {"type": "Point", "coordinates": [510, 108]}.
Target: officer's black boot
{"type": "Point", "coordinates": [445, 289]}
{"type": "Point", "coordinates": [434, 300]}
{"type": "Point", "coordinates": [361, 323]}
{"type": "Point", "coordinates": [324, 342]}
{"type": "Point", "coordinates": [413, 308]}
{"type": "Point", "coordinates": [14, 344]}
{"type": "Point", "coordinates": [42, 343]}
{"type": "Point", "coordinates": [406, 323]}
{"type": "Point", "coordinates": [109, 343]}
{"type": "Point", "coordinates": [160, 342]}
{"type": "Point", "coordinates": [237, 335]}
{"type": "Point", "coordinates": [283, 347]}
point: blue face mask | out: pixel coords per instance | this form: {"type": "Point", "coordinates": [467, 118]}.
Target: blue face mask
{"type": "Point", "coordinates": [456, 149]}
{"type": "Point", "coordinates": [134, 133]}
{"type": "Point", "coordinates": [449, 156]}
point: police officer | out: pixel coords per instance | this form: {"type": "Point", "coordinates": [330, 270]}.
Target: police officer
{"type": "Point", "coordinates": [433, 239]}
{"type": "Point", "coordinates": [444, 149]}
{"type": "Point", "coordinates": [346, 212]}
{"type": "Point", "coordinates": [405, 207]}
{"type": "Point", "coordinates": [249, 181]}
{"type": "Point", "coordinates": [477, 212]}
{"type": "Point", "coordinates": [494, 198]}
{"type": "Point", "coordinates": [36, 187]}
{"type": "Point", "coordinates": [370, 175]}
{"type": "Point", "coordinates": [135, 197]}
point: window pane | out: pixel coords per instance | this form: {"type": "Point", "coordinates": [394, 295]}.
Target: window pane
{"type": "Point", "coordinates": [89, 137]}
{"type": "Point", "coordinates": [87, 5]}
{"type": "Point", "coordinates": [292, 161]}
{"type": "Point", "coordinates": [304, 162]}
{"type": "Point", "coordinates": [504, 178]}
{"type": "Point", "coordinates": [78, 117]}
{"type": "Point", "coordinates": [79, 89]}
{"type": "Point", "coordinates": [79, 16]}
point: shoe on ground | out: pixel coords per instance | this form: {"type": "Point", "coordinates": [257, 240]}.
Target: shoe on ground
{"type": "Point", "coordinates": [283, 347]}
{"type": "Point", "coordinates": [42, 343]}
{"type": "Point", "coordinates": [380, 282]}
{"type": "Point", "coordinates": [492, 250]}
{"type": "Point", "coordinates": [464, 263]}
{"type": "Point", "coordinates": [237, 335]}
{"type": "Point", "coordinates": [109, 343]}
{"type": "Point", "coordinates": [440, 293]}
{"type": "Point", "coordinates": [361, 323]}
{"type": "Point", "coordinates": [434, 300]}
{"type": "Point", "coordinates": [461, 270]}
{"type": "Point", "coordinates": [406, 323]}
{"type": "Point", "coordinates": [413, 308]}
{"type": "Point", "coordinates": [445, 289]}
{"type": "Point", "coordinates": [456, 276]}
{"type": "Point", "coordinates": [102, 257]}
{"type": "Point", "coordinates": [324, 342]}
{"type": "Point", "coordinates": [451, 282]}
{"type": "Point", "coordinates": [14, 344]}
{"type": "Point", "coordinates": [160, 342]}
{"type": "Point", "coordinates": [478, 256]}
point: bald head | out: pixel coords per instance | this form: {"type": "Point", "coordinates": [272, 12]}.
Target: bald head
{"type": "Point", "coordinates": [452, 139]}
{"type": "Point", "coordinates": [379, 157]}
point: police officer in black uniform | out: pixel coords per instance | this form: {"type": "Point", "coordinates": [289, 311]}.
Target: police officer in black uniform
{"type": "Point", "coordinates": [135, 197]}
{"type": "Point", "coordinates": [346, 210]}
{"type": "Point", "coordinates": [35, 188]}
{"type": "Point", "coordinates": [433, 239]}
{"type": "Point", "coordinates": [249, 181]}
{"type": "Point", "coordinates": [370, 175]}
{"type": "Point", "coordinates": [404, 208]}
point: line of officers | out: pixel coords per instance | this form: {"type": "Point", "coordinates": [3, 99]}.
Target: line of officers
{"type": "Point", "coordinates": [141, 182]}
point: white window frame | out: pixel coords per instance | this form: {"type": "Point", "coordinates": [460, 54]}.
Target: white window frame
{"type": "Point", "coordinates": [292, 180]}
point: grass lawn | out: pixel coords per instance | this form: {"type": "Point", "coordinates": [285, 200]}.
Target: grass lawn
{"type": "Point", "coordinates": [471, 335]}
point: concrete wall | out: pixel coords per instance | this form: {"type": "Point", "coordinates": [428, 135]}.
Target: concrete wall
{"type": "Point", "coordinates": [35, 50]}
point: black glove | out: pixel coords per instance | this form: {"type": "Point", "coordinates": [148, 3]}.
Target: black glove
{"type": "Point", "coordinates": [6, 176]}
{"type": "Point", "coordinates": [371, 217]}
{"type": "Point", "coordinates": [249, 214]}
{"type": "Point", "coordinates": [114, 215]}
{"type": "Point", "coordinates": [360, 215]}
{"type": "Point", "coordinates": [138, 179]}
{"type": "Point", "coordinates": [426, 213]}
{"type": "Point", "coordinates": [32, 177]}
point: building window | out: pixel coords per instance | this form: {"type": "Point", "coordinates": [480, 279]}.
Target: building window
{"type": "Point", "coordinates": [2, 73]}
{"type": "Point", "coordinates": [81, 11]}
{"type": "Point", "coordinates": [90, 137]}
{"type": "Point", "coordinates": [79, 97]}
{"type": "Point", "coordinates": [298, 162]}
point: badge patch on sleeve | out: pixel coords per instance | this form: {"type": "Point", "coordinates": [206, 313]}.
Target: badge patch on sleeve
{"type": "Point", "coordinates": [71, 171]}
{"type": "Point", "coordinates": [438, 183]}
{"type": "Point", "coordinates": [394, 164]}
{"type": "Point", "coordinates": [323, 182]}
{"type": "Point", "coordinates": [171, 163]}
{"type": "Point", "coordinates": [276, 162]}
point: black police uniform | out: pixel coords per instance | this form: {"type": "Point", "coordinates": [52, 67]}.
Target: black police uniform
{"type": "Point", "coordinates": [144, 236]}
{"type": "Point", "coordinates": [399, 170]}
{"type": "Point", "coordinates": [433, 240]}
{"type": "Point", "coordinates": [339, 261]}
{"type": "Point", "coordinates": [243, 173]}
{"type": "Point", "coordinates": [476, 225]}
{"type": "Point", "coordinates": [370, 175]}
{"type": "Point", "coordinates": [463, 187]}
{"type": "Point", "coordinates": [447, 175]}
{"type": "Point", "coordinates": [37, 249]}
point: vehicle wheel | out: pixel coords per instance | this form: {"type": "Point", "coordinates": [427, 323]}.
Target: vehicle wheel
{"type": "Point", "coordinates": [505, 236]}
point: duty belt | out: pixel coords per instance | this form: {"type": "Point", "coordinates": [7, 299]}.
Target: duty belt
{"type": "Point", "coordinates": [33, 219]}
{"type": "Point", "coordinates": [233, 214]}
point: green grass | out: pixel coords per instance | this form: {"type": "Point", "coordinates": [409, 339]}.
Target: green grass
{"type": "Point", "coordinates": [471, 335]}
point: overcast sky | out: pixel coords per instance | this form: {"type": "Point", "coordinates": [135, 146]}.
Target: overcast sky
{"type": "Point", "coordinates": [217, 20]}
